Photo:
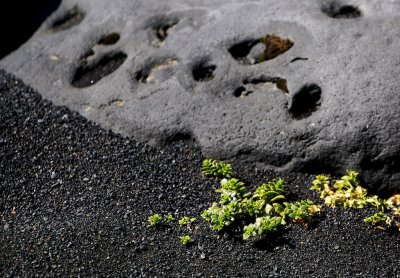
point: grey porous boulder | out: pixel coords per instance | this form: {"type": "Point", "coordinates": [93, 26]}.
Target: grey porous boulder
{"type": "Point", "coordinates": [306, 86]}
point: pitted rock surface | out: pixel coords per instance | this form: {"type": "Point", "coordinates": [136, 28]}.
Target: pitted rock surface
{"type": "Point", "coordinates": [309, 86]}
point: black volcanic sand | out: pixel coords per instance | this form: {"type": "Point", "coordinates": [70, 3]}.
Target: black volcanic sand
{"type": "Point", "coordinates": [75, 198]}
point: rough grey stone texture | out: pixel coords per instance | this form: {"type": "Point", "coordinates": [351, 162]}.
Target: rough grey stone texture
{"type": "Point", "coordinates": [328, 103]}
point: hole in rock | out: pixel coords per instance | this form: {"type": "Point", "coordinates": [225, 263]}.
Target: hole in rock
{"type": "Point", "coordinates": [306, 101]}
{"type": "Point", "coordinates": [260, 50]}
{"type": "Point", "coordinates": [71, 18]}
{"type": "Point", "coordinates": [241, 50]}
{"type": "Point", "coordinates": [157, 72]}
{"type": "Point", "coordinates": [261, 84]}
{"type": "Point", "coordinates": [88, 54]}
{"type": "Point", "coordinates": [141, 76]}
{"type": "Point", "coordinates": [241, 91]}
{"type": "Point", "coordinates": [163, 28]}
{"type": "Point", "coordinates": [109, 39]}
{"type": "Point", "coordinates": [87, 75]}
{"type": "Point", "coordinates": [20, 19]}
{"type": "Point", "coordinates": [203, 72]}
{"type": "Point", "coordinates": [337, 9]}
{"type": "Point", "coordinates": [299, 59]}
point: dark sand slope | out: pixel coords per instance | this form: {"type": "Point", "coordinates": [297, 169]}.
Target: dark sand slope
{"type": "Point", "coordinates": [74, 200]}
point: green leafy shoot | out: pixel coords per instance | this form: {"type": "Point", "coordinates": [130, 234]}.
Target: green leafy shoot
{"type": "Point", "coordinates": [320, 183]}
{"type": "Point", "coordinates": [394, 201]}
{"type": "Point", "coordinates": [346, 192]}
{"type": "Point", "coordinates": [186, 220]}
{"type": "Point", "coordinates": [231, 190]}
{"type": "Point", "coordinates": [262, 226]}
{"type": "Point", "coordinates": [169, 218]}
{"type": "Point", "coordinates": [271, 192]}
{"type": "Point", "coordinates": [229, 208]}
{"type": "Point", "coordinates": [380, 220]}
{"type": "Point", "coordinates": [266, 200]}
{"type": "Point", "coordinates": [154, 220]}
{"type": "Point", "coordinates": [264, 207]}
{"type": "Point", "coordinates": [301, 211]}
{"type": "Point", "coordinates": [348, 182]}
{"type": "Point", "coordinates": [186, 239]}
{"type": "Point", "coordinates": [217, 169]}
{"type": "Point", "coordinates": [378, 203]}
{"type": "Point", "coordinates": [221, 217]}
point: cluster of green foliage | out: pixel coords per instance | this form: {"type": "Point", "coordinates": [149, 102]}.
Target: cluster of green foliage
{"type": "Point", "coordinates": [156, 220]}
{"type": "Point", "coordinates": [394, 203]}
{"type": "Point", "coordinates": [217, 169]}
{"type": "Point", "coordinates": [380, 220]}
{"type": "Point", "coordinates": [389, 217]}
{"type": "Point", "coordinates": [264, 209]}
{"type": "Point", "coordinates": [301, 211]}
{"type": "Point", "coordinates": [186, 239]}
{"type": "Point", "coordinates": [186, 220]}
{"type": "Point", "coordinates": [348, 193]}
{"type": "Point", "coordinates": [169, 218]}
